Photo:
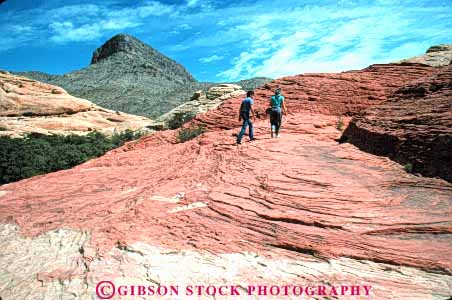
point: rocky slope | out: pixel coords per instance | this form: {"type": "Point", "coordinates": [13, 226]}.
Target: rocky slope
{"type": "Point", "coordinates": [299, 210]}
{"type": "Point", "coordinates": [344, 93]}
{"type": "Point", "coordinates": [436, 56]}
{"type": "Point", "coordinates": [413, 127]}
{"type": "Point", "coordinates": [127, 75]}
{"type": "Point", "coordinates": [200, 103]}
{"type": "Point", "coordinates": [31, 106]}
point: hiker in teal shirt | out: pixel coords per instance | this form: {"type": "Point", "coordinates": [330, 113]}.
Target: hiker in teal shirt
{"type": "Point", "coordinates": [276, 104]}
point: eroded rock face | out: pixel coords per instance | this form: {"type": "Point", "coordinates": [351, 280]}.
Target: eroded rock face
{"type": "Point", "coordinates": [297, 210]}
{"type": "Point", "coordinates": [31, 106]}
{"type": "Point", "coordinates": [222, 89]}
{"type": "Point", "coordinates": [414, 127]}
{"type": "Point", "coordinates": [436, 56]}
{"type": "Point", "coordinates": [344, 93]}
{"type": "Point", "coordinates": [21, 96]}
{"type": "Point", "coordinates": [302, 203]}
{"type": "Point", "coordinates": [199, 104]}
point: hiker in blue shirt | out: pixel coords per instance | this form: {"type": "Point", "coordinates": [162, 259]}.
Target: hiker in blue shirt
{"type": "Point", "coordinates": [276, 104]}
{"type": "Point", "coordinates": [245, 114]}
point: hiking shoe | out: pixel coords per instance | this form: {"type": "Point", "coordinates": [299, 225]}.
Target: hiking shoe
{"type": "Point", "coordinates": [278, 136]}
{"type": "Point", "coordinates": [272, 134]}
{"type": "Point", "coordinates": [253, 139]}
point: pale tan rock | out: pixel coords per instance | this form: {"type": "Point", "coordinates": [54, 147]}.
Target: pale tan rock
{"type": "Point", "coordinates": [199, 104]}
{"type": "Point", "coordinates": [436, 56]}
{"type": "Point", "coordinates": [31, 106]}
{"type": "Point", "coordinates": [67, 267]}
{"type": "Point", "coordinates": [222, 89]}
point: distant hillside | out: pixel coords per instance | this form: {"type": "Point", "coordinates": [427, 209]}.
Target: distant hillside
{"type": "Point", "coordinates": [127, 75]}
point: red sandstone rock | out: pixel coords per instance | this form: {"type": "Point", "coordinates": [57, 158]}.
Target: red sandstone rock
{"type": "Point", "coordinates": [413, 127]}
{"type": "Point", "coordinates": [332, 94]}
{"type": "Point", "coordinates": [316, 210]}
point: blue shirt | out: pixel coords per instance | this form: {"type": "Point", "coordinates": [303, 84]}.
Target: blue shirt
{"type": "Point", "coordinates": [246, 105]}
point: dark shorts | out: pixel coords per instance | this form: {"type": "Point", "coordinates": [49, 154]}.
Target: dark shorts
{"type": "Point", "coordinates": [276, 116]}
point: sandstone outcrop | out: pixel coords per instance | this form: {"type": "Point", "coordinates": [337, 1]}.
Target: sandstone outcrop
{"type": "Point", "coordinates": [299, 210]}
{"type": "Point", "coordinates": [221, 89]}
{"type": "Point", "coordinates": [200, 103]}
{"type": "Point", "coordinates": [30, 106]}
{"type": "Point", "coordinates": [436, 56]}
{"type": "Point", "coordinates": [344, 93]}
{"type": "Point", "coordinates": [413, 127]}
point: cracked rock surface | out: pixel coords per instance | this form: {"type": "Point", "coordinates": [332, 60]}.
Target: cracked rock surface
{"type": "Point", "coordinates": [301, 209]}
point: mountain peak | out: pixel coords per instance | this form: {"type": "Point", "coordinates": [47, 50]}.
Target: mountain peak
{"type": "Point", "coordinates": [119, 43]}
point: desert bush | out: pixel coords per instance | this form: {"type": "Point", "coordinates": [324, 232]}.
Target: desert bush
{"type": "Point", "coordinates": [340, 124]}
{"type": "Point", "coordinates": [37, 154]}
{"type": "Point", "coordinates": [186, 134]}
{"type": "Point", "coordinates": [408, 167]}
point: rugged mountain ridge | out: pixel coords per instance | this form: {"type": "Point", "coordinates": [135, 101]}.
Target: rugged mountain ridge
{"type": "Point", "coordinates": [128, 75]}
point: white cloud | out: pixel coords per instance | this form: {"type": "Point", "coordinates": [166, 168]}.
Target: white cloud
{"type": "Point", "coordinates": [65, 31]}
{"type": "Point", "coordinates": [211, 59]}
{"type": "Point", "coordinates": [184, 26]}
{"type": "Point", "coordinates": [323, 40]}
{"type": "Point", "coordinates": [81, 28]}
{"type": "Point", "coordinates": [154, 9]}
{"type": "Point", "coordinates": [191, 3]}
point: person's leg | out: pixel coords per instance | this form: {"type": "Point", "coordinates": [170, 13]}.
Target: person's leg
{"type": "Point", "coordinates": [242, 131]}
{"type": "Point", "coordinates": [278, 123]}
{"type": "Point", "coordinates": [250, 124]}
{"type": "Point", "coordinates": [272, 122]}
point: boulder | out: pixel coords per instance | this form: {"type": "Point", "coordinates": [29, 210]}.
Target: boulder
{"type": "Point", "coordinates": [436, 56]}
{"type": "Point", "coordinates": [413, 127]}
{"type": "Point", "coordinates": [221, 89]}
{"type": "Point", "coordinates": [199, 104]}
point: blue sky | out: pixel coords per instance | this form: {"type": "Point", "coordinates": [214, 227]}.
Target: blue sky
{"type": "Point", "coordinates": [225, 40]}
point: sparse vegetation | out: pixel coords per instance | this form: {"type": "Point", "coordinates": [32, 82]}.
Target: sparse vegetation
{"type": "Point", "coordinates": [408, 167]}
{"type": "Point", "coordinates": [3, 128]}
{"type": "Point", "coordinates": [37, 154]}
{"type": "Point", "coordinates": [186, 134]}
{"type": "Point", "coordinates": [263, 182]}
{"type": "Point", "coordinates": [340, 124]}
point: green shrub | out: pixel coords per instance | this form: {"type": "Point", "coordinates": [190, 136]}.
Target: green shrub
{"type": "Point", "coordinates": [340, 124]}
{"type": "Point", "coordinates": [408, 167]}
{"type": "Point", "coordinates": [37, 154]}
{"type": "Point", "coordinates": [3, 128]}
{"type": "Point", "coordinates": [186, 134]}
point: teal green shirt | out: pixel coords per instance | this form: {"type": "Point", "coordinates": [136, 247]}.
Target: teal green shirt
{"type": "Point", "coordinates": [277, 100]}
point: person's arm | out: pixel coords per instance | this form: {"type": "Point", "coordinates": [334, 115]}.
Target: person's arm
{"type": "Point", "coordinates": [284, 107]}
{"type": "Point", "coordinates": [252, 112]}
{"type": "Point", "coordinates": [240, 112]}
